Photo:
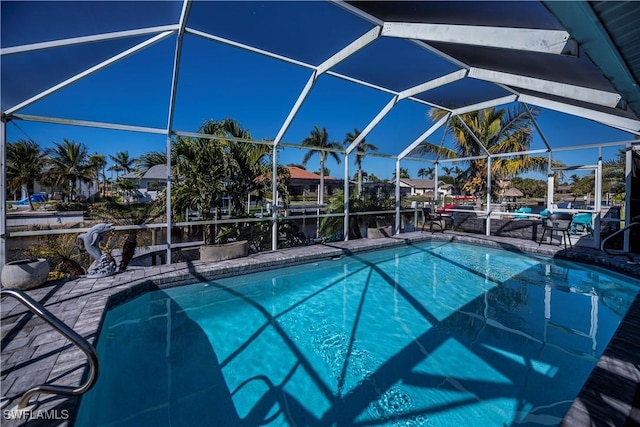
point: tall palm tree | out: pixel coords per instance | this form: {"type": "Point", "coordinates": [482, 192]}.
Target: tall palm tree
{"type": "Point", "coordinates": [122, 162]}
{"type": "Point", "coordinates": [248, 163]}
{"type": "Point", "coordinates": [404, 174]}
{"type": "Point", "coordinates": [319, 139]}
{"type": "Point", "coordinates": [499, 131]}
{"type": "Point", "coordinates": [147, 160]}
{"type": "Point", "coordinates": [425, 173]}
{"type": "Point", "coordinates": [25, 162]}
{"type": "Point", "coordinates": [199, 169]}
{"type": "Point", "coordinates": [362, 147]}
{"type": "Point", "coordinates": [97, 163]}
{"type": "Point", "coordinates": [68, 162]}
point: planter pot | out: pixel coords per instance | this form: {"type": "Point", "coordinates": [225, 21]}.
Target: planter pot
{"type": "Point", "coordinates": [226, 251]}
{"type": "Point", "coordinates": [379, 232]}
{"type": "Point", "coordinates": [25, 273]}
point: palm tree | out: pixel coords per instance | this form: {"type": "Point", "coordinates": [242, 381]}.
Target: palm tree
{"type": "Point", "coordinates": [122, 162]}
{"type": "Point", "coordinates": [25, 162]}
{"type": "Point", "coordinates": [404, 174]}
{"type": "Point", "coordinates": [319, 140]}
{"type": "Point", "coordinates": [69, 164]}
{"type": "Point", "coordinates": [360, 150]}
{"type": "Point", "coordinates": [199, 171]}
{"type": "Point", "coordinates": [147, 160]}
{"type": "Point", "coordinates": [425, 173]}
{"type": "Point", "coordinates": [248, 162]}
{"type": "Point", "coordinates": [126, 187]}
{"type": "Point", "coordinates": [98, 162]}
{"type": "Point", "coordinates": [372, 178]}
{"type": "Point", "coordinates": [499, 131]}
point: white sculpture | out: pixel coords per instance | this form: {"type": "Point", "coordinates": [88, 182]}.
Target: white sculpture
{"type": "Point", "coordinates": [104, 264]}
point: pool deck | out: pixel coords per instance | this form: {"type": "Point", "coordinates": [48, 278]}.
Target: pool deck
{"type": "Point", "coordinates": [32, 353]}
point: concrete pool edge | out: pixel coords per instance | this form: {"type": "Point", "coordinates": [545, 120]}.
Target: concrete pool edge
{"type": "Point", "coordinates": [81, 303]}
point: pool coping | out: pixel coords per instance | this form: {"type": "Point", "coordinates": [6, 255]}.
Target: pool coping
{"type": "Point", "coordinates": [32, 352]}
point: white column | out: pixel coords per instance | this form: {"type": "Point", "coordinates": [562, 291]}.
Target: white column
{"type": "Point", "coordinates": [346, 196]}
{"type": "Point", "coordinates": [397, 196]}
{"type": "Point", "coordinates": [274, 199]}
{"type": "Point", "coordinates": [488, 230]}
{"type": "Point", "coordinates": [597, 200]}
{"type": "Point", "coordinates": [168, 211]}
{"type": "Point", "coordinates": [627, 197]}
{"type": "Point", "coordinates": [435, 184]}
{"type": "Point", "coordinates": [549, 185]}
{"type": "Point", "coordinates": [3, 193]}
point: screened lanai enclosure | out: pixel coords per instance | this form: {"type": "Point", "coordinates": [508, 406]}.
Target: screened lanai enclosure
{"type": "Point", "coordinates": [142, 75]}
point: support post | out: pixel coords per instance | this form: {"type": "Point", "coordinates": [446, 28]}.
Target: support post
{"type": "Point", "coordinates": [168, 211]}
{"type": "Point", "coordinates": [346, 197]}
{"type": "Point", "coordinates": [274, 200]}
{"type": "Point", "coordinates": [397, 196]}
{"type": "Point", "coordinates": [435, 184]}
{"type": "Point", "coordinates": [627, 194]}
{"type": "Point", "coordinates": [488, 230]}
{"type": "Point", "coordinates": [549, 185]}
{"type": "Point", "coordinates": [597, 200]}
{"type": "Point", "coordinates": [3, 192]}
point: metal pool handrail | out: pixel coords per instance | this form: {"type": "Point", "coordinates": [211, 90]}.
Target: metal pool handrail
{"type": "Point", "coordinates": [634, 221]}
{"type": "Point", "coordinates": [57, 324]}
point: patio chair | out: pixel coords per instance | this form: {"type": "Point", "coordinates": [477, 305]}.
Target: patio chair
{"type": "Point", "coordinates": [433, 219]}
{"type": "Point", "coordinates": [581, 223]}
{"type": "Point", "coordinates": [522, 213]}
{"type": "Point", "coordinates": [557, 222]}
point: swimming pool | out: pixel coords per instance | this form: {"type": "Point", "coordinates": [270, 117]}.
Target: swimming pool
{"type": "Point", "coordinates": [428, 334]}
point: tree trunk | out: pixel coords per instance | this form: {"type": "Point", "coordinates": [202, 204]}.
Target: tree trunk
{"type": "Point", "coordinates": [29, 201]}
{"type": "Point", "coordinates": [128, 249]}
{"type": "Point", "coordinates": [359, 181]}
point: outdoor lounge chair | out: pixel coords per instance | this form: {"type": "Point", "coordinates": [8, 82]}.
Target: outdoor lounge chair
{"type": "Point", "coordinates": [557, 222]}
{"type": "Point", "coordinates": [581, 222]}
{"type": "Point", "coordinates": [522, 213]}
{"type": "Point", "coordinates": [433, 220]}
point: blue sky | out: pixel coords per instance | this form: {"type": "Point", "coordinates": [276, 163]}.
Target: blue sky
{"type": "Point", "coordinates": [219, 81]}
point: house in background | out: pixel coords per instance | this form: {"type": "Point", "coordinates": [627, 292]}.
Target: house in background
{"type": "Point", "coordinates": [301, 183]}
{"type": "Point", "coordinates": [150, 183]}
{"type": "Point", "coordinates": [305, 183]}
{"type": "Point", "coordinates": [423, 187]}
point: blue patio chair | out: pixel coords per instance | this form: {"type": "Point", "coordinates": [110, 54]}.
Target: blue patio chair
{"type": "Point", "coordinates": [581, 222]}
{"type": "Point", "coordinates": [522, 213]}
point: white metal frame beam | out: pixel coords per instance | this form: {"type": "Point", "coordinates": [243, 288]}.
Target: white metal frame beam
{"type": "Point", "coordinates": [186, 8]}
{"type": "Point", "coordinates": [485, 104]}
{"type": "Point", "coordinates": [3, 192]}
{"type": "Point", "coordinates": [86, 39]}
{"type": "Point", "coordinates": [579, 93]}
{"type": "Point", "coordinates": [87, 123]}
{"type": "Point", "coordinates": [437, 125]}
{"type": "Point", "coordinates": [612, 120]}
{"type": "Point", "coordinates": [407, 93]}
{"type": "Point", "coordinates": [537, 126]}
{"type": "Point", "coordinates": [528, 39]}
{"type": "Point", "coordinates": [91, 70]}
{"type": "Point", "coordinates": [329, 63]}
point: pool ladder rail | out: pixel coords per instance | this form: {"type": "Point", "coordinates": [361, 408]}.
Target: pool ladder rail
{"type": "Point", "coordinates": [57, 324]}
{"type": "Point", "coordinates": [634, 221]}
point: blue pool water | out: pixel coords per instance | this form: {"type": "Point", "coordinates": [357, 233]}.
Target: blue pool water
{"type": "Point", "coordinates": [435, 334]}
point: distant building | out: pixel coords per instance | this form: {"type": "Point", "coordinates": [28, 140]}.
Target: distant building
{"type": "Point", "coordinates": [303, 182]}
{"type": "Point", "coordinates": [150, 183]}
